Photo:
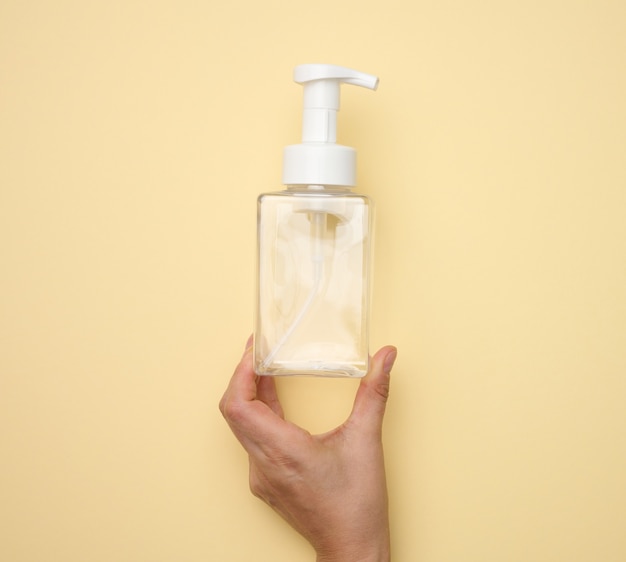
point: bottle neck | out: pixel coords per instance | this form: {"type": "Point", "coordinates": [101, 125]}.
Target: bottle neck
{"type": "Point", "coordinates": [329, 189]}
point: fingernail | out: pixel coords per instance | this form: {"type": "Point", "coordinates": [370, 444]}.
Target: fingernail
{"type": "Point", "coordinates": [389, 361]}
{"type": "Point", "coordinates": [249, 342]}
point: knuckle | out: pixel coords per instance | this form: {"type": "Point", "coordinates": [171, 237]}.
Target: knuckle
{"type": "Point", "coordinates": [382, 389]}
{"type": "Point", "coordinates": [232, 410]}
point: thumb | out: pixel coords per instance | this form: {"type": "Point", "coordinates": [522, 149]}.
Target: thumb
{"type": "Point", "coordinates": [371, 397]}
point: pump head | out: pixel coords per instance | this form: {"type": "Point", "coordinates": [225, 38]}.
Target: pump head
{"type": "Point", "coordinates": [318, 160]}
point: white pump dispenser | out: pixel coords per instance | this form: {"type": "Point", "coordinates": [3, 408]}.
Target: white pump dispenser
{"type": "Point", "coordinates": [318, 160]}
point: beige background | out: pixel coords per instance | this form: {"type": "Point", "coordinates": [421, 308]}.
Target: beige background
{"type": "Point", "coordinates": [134, 138]}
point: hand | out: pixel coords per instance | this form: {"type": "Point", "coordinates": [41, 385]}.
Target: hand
{"type": "Point", "coordinates": [331, 488]}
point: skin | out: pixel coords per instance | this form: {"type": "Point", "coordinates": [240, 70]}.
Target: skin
{"type": "Point", "coordinates": [331, 488]}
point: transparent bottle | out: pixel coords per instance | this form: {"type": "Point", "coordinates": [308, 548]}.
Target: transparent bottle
{"type": "Point", "coordinates": [314, 246]}
{"type": "Point", "coordinates": [314, 262]}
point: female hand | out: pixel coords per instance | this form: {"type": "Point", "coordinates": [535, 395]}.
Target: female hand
{"type": "Point", "coordinates": [331, 488]}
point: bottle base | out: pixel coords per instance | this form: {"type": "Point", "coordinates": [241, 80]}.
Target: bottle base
{"type": "Point", "coordinates": [282, 369]}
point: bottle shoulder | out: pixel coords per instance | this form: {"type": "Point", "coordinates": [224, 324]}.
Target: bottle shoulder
{"type": "Point", "coordinates": [303, 195]}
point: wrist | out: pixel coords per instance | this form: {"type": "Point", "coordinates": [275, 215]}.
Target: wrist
{"type": "Point", "coordinates": [355, 556]}
{"type": "Point", "coordinates": [372, 552]}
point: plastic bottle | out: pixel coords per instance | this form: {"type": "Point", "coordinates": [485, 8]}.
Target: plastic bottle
{"type": "Point", "coordinates": [314, 246]}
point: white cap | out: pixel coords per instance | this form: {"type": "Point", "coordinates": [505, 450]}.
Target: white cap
{"type": "Point", "coordinates": [319, 160]}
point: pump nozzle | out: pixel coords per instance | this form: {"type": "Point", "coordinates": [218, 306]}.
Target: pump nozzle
{"type": "Point", "coordinates": [318, 160]}
{"type": "Point", "coordinates": [321, 97]}
{"type": "Point", "coordinates": [309, 72]}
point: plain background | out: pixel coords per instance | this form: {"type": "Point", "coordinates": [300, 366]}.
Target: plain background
{"type": "Point", "coordinates": [134, 139]}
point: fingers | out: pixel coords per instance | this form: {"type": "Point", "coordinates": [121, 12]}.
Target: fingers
{"type": "Point", "coordinates": [266, 392]}
{"type": "Point", "coordinates": [371, 398]}
{"type": "Point", "coordinates": [264, 388]}
{"type": "Point", "coordinates": [253, 412]}
{"type": "Point", "coordinates": [242, 385]}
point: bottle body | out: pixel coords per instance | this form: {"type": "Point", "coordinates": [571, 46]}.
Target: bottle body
{"type": "Point", "coordinates": [313, 282]}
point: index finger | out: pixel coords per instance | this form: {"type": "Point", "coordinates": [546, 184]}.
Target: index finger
{"type": "Point", "coordinates": [243, 382]}
{"type": "Point", "coordinates": [254, 423]}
